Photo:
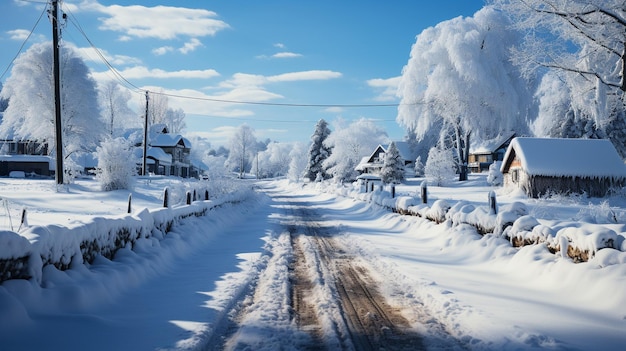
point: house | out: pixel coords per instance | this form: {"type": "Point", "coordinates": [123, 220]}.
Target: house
{"type": "Point", "coordinates": [24, 156]}
{"type": "Point", "coordinates": [483, 153]}
{"type": "Point", "coordinates": [373, 163]}
{"type": "Point", "coordinates": [178, 148]}
{"type": "Point", "coordinates": [541, 166]}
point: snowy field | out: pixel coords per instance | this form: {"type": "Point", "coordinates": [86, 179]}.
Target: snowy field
{"type": "Point", "coordinates": [174, 293]}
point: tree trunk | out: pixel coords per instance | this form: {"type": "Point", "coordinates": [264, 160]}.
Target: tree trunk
{"type": "Point", "coordinates": [623, 72]}
{"type": "Point", "coordinates": [462, 147]}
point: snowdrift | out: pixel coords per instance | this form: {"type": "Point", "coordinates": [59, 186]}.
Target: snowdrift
{"type": "Point", "coordinates": [511, 221]}
{"type": "Point", "coordinates": [25, 255]}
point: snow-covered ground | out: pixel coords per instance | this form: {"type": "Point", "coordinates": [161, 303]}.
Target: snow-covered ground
{"type": "Point", "coordinates": [176, 292]}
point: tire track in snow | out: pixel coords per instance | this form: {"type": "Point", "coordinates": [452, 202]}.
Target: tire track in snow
{"type": "Point", "coordinates": [355, 313]}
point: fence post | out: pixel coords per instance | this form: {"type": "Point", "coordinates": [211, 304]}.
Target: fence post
{"type": "Point", "coordinates": [194, 195]}
{"type": "Point", "coordinates": [188, 198]}
{"type": "Point", "coordinates": [493, 207]}
{"type": "Point", "coordinates": [130, 199]}
{"type": "Point", "coordinates": [206, 195]}
{"type": "Point", "coordinates": [166, 197]}
{"type": "Point", "coordinates": [424, 192]}
{"type": "Point", "coordinates": [24, 220]}
{"type": "Point", "coordinates": [393, 191]}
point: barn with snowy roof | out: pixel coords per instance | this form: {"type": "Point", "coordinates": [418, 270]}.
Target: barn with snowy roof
{"type": "Point", "coordinates": [542, 166]}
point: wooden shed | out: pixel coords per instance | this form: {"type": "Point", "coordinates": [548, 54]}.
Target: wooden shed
{"type": "Point", "coordinates": [541, 166]}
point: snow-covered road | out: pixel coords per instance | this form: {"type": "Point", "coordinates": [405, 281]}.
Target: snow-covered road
{"type": "Point", "coordinates": [330, 301]}
{"type": "Point", "coordinates": [275, 272]}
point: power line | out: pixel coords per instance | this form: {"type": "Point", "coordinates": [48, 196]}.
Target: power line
{"type": "Point", "coordinates": [275, 120]}
{"type": "Point", "coordinates": [23, 43]}
{"type": "Point", "coordinates": [134, 88]}
{"type": "Point", "coordinates": [117, 75]}
{"type": "Point", "coordinates": [282, 103]}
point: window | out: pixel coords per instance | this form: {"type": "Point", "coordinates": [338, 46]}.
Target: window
{"type": "Point", "coordinates": [515, 175]}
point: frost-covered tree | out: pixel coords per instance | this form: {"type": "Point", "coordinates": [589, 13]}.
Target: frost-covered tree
{"type": "Point", "coordinates": [274, 160]}
{"type": "Point", "coordinates": [114, 106]}
{"type": "Point", "coordinates": [318, 152]}
{"type": "Point", "coordinates": [440, 167]}
{"type": "Point", "coordinates": [175, 120]}
{"type": "Point", "coordinates": [350, 143]}
{"type": "Point", "coordinates": [495, 177]}
{"type": "Point", "coordinates": [216, 166]}
{"type": "Point", "coordinates": [560, 115]}
{"type": "Point", "coordinates": [116, 164]}
{"type": "Point", "coordinates": [298, 161]}
{"type": "Point", "coordinates": [3, 101]}
{"type": "Point", "coordinates": [159, 112]}
{"type": "Point", "coordinates": [419, 167]}
{"type": "Point", "coordinates": [582, 43]}
{"type": "Point", "coordinates": [393, 166]}
{"type": "Point", "coordinates": [459, 76]}
{"type": "Point", "coordinates": [242, 149]}
{"type": "Point", "coordinates": [30, 113]}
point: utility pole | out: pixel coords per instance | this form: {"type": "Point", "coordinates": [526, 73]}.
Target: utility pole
{"type": "Point", "coordinates": [145, 137]}
{"type": "Point", "coordinates": [57, 93]}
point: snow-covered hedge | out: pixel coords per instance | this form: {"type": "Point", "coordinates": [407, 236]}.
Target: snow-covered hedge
{"type": "Point", "coordinates": [580, 243]}
{"type": "Point", "coordinates": [25, 255]}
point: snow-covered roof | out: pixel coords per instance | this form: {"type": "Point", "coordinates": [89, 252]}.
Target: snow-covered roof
{"type": "Point", "coordinates": [158, 154]}
{"type": "Point", "coordinates": [566, 157]}
{"type": "Point", "coordinates": [169, 140]}
{"type": "Point", "coordinates": [25, 158]}
{"type": "Point", "coordinates": [362, 163]}
{"type": "Point", "coordinates": [489, 146]}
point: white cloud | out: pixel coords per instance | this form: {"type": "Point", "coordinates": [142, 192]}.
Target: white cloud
{"type": "Point", "coordinates": [279, 45]}
{"type": "Point", "coordinates": [22, 34]}
{"type": "Point", "coordinates": [198, 103]}
{"type": "Point", "coordinates": [334, 110]}
{"type": "Point", "coordinates": [304, 75]}
{"type": "Point", "coordinates": [388, 86]}
{"type": "Point", "coordinates": [162, 50]}
{"type": "Point", "coordinates": [18, 34]}
{"type": "Point", "coordinates": [190, 46]}
{"type": "Point", "coordinates": [140, 72]}
{"type": "Point", "coordinates": [161, 22]}
{"type": "Point", "coordinates": [89, 54]}
{"type": "Point", "coordinates": [286, 54]}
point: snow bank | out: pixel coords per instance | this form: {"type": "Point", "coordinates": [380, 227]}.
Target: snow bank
{"type": "Point", "coordinates": [25, 255]}
{"type": "Point", "coordinates": [510, 221]}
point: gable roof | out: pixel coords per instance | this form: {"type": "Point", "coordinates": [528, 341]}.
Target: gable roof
{"type": "Point", "coordinates": [169, 140]}
{"type": "Point", "coordinates": [565, 157]}
{"type": "Point", "coordinates": [490, 146]}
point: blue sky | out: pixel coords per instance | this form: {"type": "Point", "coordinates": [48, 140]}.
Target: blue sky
{"type": "Point", "coordinates": [285, 52]}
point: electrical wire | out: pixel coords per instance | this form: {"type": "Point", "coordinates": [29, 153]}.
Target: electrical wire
{"type": "Point", "coordinates": [23, 43]}
{"type": "Point", "coordinates": [134, 88]}
{"type": "Point", "coordinates": [117, 75]}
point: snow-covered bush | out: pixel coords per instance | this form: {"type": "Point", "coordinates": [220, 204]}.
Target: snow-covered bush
{"type": "Point", "coordinates": [495, 177]}
{"type": "Point", "coordinates": [419, 167]}
{"type": "Point", "coordinates": [581, 244]}
{"type": "Point", "coordinates": [116, 164]}
{"type": "Point", "coordinates": [437, 213]}
{"type": "Point", "coordinates": [440, 166]}
{"type": "Point", "coordinates": [508, 215]}
{"type": "Point", "coordinates": [601, 213]}
{"type": "Point", "coordinates": [520, 232]}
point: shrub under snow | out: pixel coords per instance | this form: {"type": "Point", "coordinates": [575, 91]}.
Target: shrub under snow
{"type": "Point", "coordinates": [116, 164]}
